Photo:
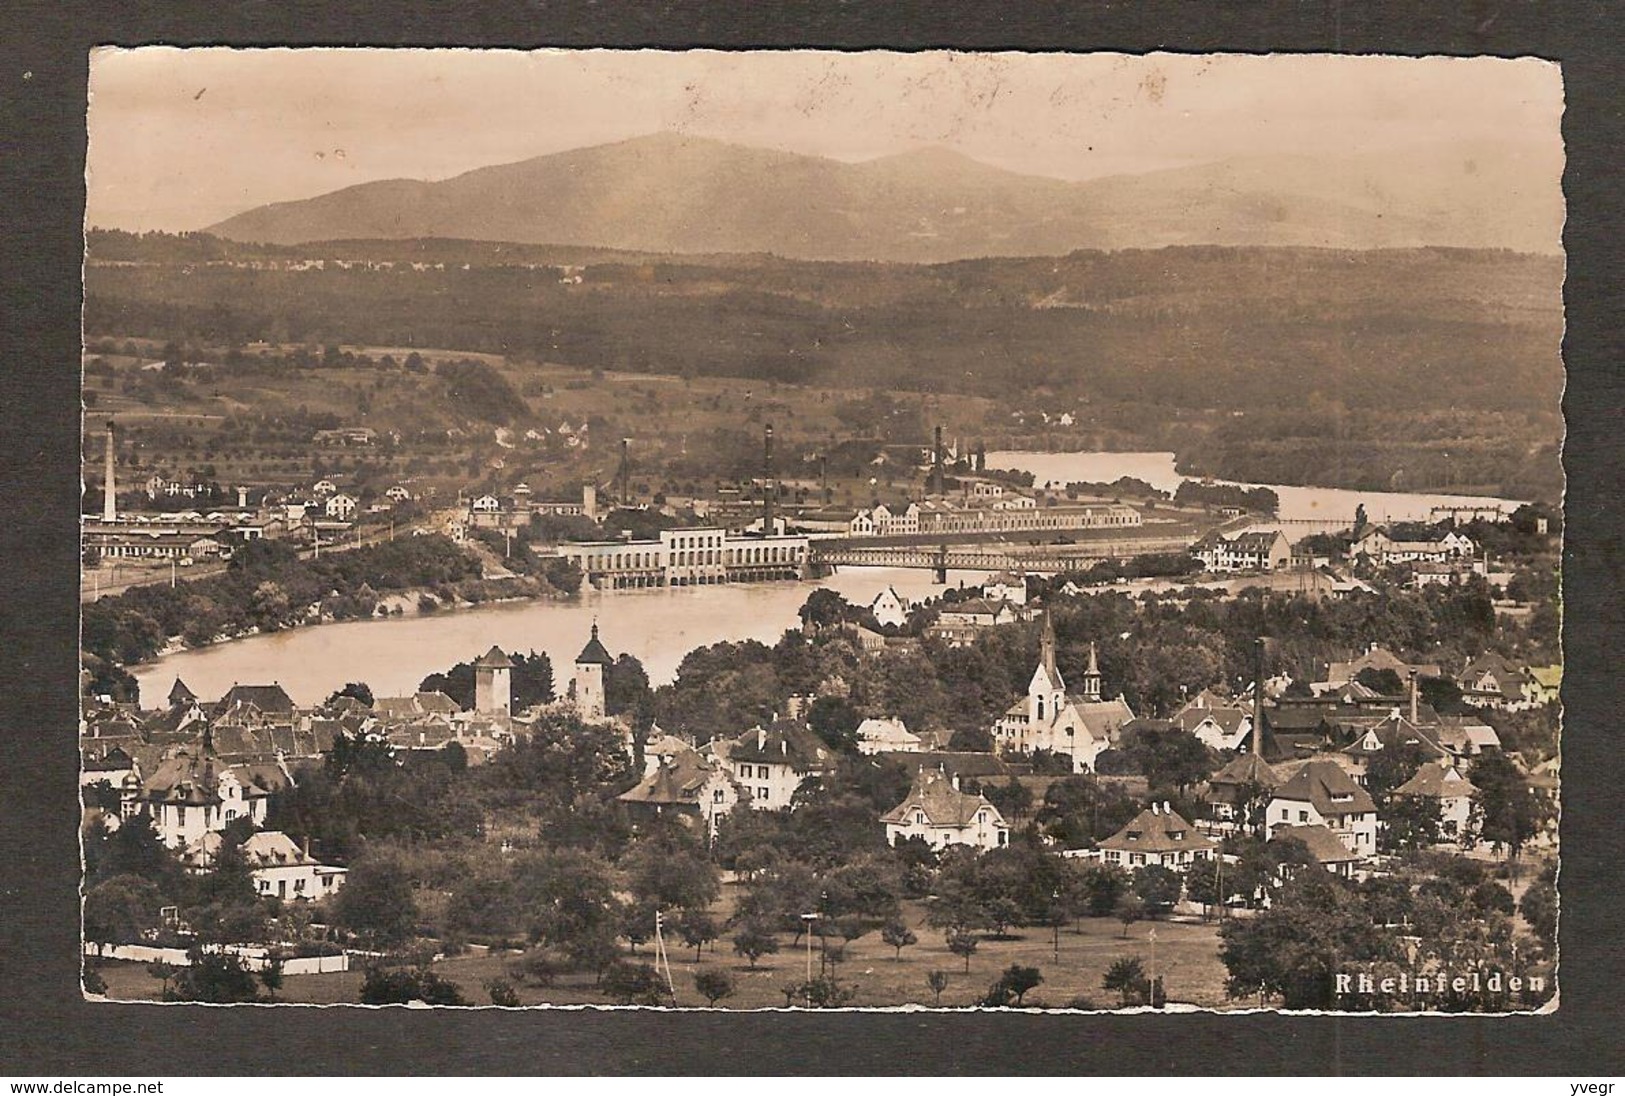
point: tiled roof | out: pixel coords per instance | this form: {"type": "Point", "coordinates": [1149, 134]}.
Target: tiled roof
{"type": "Point", "coordinates": [674, 783]}
{"type": "Point", "coordinates": [1157, 830]}
{"type": "Point", "coordinates": [1436, 780]}
{"type": "Point", "coordinates": [1247, 768]}
{"type": "Point", "coordinates": [1324, 784]}
{"type": "Point", "coordinates": [784, 742]}
{"type": "Point", "coordinates": [493, 659]}
{"type": "Point", "coordinates": [933, 793]}
{"type": "Point", "coordinates": [1322, 843]}
{"type": "Point", "coordinates": [271, 699]}
{"type": "Point", "coordinates": [594, 652]}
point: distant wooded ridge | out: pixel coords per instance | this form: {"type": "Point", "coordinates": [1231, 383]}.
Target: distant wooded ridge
{"type": "Point", "coordinates": [667, 193]}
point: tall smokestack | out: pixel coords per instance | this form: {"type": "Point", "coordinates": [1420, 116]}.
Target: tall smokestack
{"type": "Point", "coordinates": [1413, 695]}
{"type": "Point", "coordinates": [768, 487]}
{"type": "Point", "coordinates": [1258, 701]}
{"type": "Point", "coordinates": [109, 489]}
{"type": "Point", "coordinates": [936, 463]}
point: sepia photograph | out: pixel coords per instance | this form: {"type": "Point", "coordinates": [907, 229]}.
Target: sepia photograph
{"type": "Point", "coordinates": [788, 530]}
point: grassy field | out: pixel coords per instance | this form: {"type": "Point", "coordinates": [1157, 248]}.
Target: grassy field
{"type": "Point", "coordinates": [1186, 955]}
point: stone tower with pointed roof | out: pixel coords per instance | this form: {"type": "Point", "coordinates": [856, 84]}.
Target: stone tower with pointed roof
{"type": "Point", "coordinates": [587, 686]}
{"type": "Point", "coordinates": [493, 684]}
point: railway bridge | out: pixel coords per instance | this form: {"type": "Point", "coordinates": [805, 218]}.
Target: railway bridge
{"type": "Point", "coordinates": [1037, 559]}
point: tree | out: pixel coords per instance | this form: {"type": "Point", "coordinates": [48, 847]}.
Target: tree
{"type": "Point", "coordinates": [835, 720]}
{"type": "Point", "coordinates": [1015, 982]}
{"type": "Point", "coordinates": [271, 976]}
{"type": "Point", "coordinates": [696, 927]}
{"type": "Point", "coordinates": [1126, 977]}
{"type": "Point", "coordinates": [1130, 908]}
{"type": "Point", "coordinates": [1539, 907]}
{"type": "Point", "coordinates": [820, 992]}
{"type": "Point", "coordinates": [1316, 926]}
{"type": "Point", "coordinates": [714, 985]}
{"type": "Point", "coordinates": [1203, 881]}
{"type": "Point", "coordinates": [1158, 887]}
{"type": "Point", "coordinates": [1409, 822]}
{"type": "Point", "coordinates": [1506, 811]}
{"type": "Point", "coordinates": [752, 941]}
{"type": "Point", "coordinates": [215, 977]}
{"type": "Point", "coordinates": [667, 873]}
{"type": "Point", "coordinates": [120, 909]}
{"type": "Point", "coordinates": [1383, 682]}
{"type": "Point", "coordinates": [502, 993]}
{"type": "Point", "coordinates": [634, 984]}
{"type": "Point", "coordinates": [962, 942]}
{"type": "Point", "coordinates": [401, 985]}
{"type": "Point", "coordinates": [358, 690]}
{"type": "Point", "coordinates": [937, 980]}
{"type": "Point", "coordinates": [377, 902]}
{"type": "Point", "coordinates": [898, 936]}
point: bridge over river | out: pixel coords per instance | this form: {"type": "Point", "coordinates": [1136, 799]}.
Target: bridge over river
{"type": "Point", "coordinates": [993, 556]}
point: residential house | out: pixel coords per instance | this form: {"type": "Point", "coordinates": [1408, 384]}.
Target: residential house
{"type": "Point", "coordinates": [1491, 681]}
{"type": "Point", "coordinates": [1324, 846]}
{"type": "Point", "coordinates": [1442, 782]}
{"type": "Point", "coordinates": [1244, 785]}
{"type": "Point", "coordinates": [195, 792]}
{"type": "Point", "coordinates": [1320, 793]}
{"type": "Point", "coordinates": [889, 608]}
{"type": "Point", "coordinates": [1545, 685]}
{"type": "Point", "coordinates": [340, 507]}
{"type": "Point", "coordinates": [1378, 658]}
{"type": "Point", "coordinates": [936, 811]}
{"type": "Point", "coordinates": [687, 785]}
{"type": "Point", "coordinates": [1217, 728]}
{"type": "Point", "coordinates": [1006, 586]}
{"type": "Point", "coordinates": [772, 762]}
{"type": "Point", "coordinates": [1157, 836]}
{"type": "Point", "coordinates": [886, 736]}
{"type": "Point", "coordinates": [1377, 546]}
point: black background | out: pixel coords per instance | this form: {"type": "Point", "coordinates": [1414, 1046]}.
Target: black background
{"type": "Point", "coordinates": [46, 1029]}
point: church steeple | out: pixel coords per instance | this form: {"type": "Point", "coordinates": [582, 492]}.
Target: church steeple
{"type": "Point", "coordinates": [1091, 676]}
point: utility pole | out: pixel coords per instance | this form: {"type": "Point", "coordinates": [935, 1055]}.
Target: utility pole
{"type": "Point", "coordinates": [662, 961]}
{"type": "Point", "coordinates": [809, 919]}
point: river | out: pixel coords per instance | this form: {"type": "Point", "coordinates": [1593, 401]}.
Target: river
{"type": "Point", "coordinates": [658, 626]}
{"type": "Point", "coordinates": [1325, 507]}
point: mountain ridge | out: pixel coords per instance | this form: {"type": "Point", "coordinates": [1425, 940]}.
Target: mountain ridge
{"type": "Point", "coordinates": [668, 193]}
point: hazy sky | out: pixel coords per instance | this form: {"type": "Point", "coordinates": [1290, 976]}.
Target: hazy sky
{"type": "Point", "coordinates": [180, 139]}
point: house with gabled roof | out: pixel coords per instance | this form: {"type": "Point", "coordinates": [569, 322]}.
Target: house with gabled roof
{"type": "Point", "coordinates": [1226, 728]}
{"type": "Point", "coordinates": [1392, 732]}
{"type": "Point", "coordinates": [1006, 586]}
{"type": "Point", "coordinates": [195, 792]}
{"type": "Point", "coordinates": [688, 785]}
{"type": "Point", "coordinates": [1441, 782]}
{"type": "Point", "coordinates": [1491, 681]}
{"type": "Point", "coordinates": [1253, 551]}
{"type": "Point", "coordinates": [887, 736]}
{"type": "Point", "coordinates": [942, 815]}
{"type": "Point", "coordinates": [772, 762]}
{"type": "Point", "coordinates": [1324, 846]}
{"type": "Point", "coordinates": [1377, 657]}
{"type": "Point", "coordinates": [1239, 790]}
{"type": "Point", "coordinates": [271, 702]}
{"type": "Point", "coordinates": [1157, 836]}
{"type": "Point", "coordinates": [1320, 793]}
